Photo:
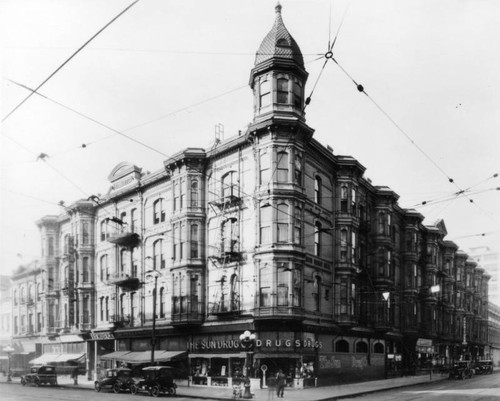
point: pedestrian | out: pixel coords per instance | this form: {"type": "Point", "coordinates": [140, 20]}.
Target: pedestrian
{"type": "Point", "coordinates": [280, 383]}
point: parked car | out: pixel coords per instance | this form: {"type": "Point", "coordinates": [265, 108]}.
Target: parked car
{"type": "Point", "coordinates": [483, 367]}
{"type": "Point", "coordinates": [117, 380]}
{"type": "Point", "coordinates": [42, 374]}
{"type": "Point", "coordinates": [156, 380]}
{"type": "Point", "coordinates": [461, 370]}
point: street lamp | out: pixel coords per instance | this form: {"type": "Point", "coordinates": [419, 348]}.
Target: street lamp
{"type": "Point", "coordinates": [9, 350]}
{"type": "Point", "coordinates": [247, 341]}
{"type": "Point", "coordinates": [155, 274]}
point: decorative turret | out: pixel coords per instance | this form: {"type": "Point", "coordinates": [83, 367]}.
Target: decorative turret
{"type": "Point", "coordinates": [278, 78]}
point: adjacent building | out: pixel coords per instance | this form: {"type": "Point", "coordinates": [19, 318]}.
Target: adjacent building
{"type": "Point", "coordinates": [489, 259]}
{"type": "Point", "coordinates": [268, 232]}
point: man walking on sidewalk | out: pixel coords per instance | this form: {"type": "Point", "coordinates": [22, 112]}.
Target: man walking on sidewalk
{"type": "Point", "coordinates": [280, 383]}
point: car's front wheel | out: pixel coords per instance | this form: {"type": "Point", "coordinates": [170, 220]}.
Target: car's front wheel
{"type": "Point", "coordinates": [97, 387]}
{"type": "Point", "coordinates": [134, 389]}
{"type": "Point", "coordinates": [155, 391]}
{"type": "Point", "coordinates": [117, 387]}
{"type": "Point", "coordinates": [171, 391]}
{"type": "Point", "coordinates": [23, 381]}
{"type": "Point", "coordinates": [37, 381]}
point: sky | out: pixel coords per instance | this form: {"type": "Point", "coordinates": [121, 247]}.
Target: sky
{"type": "Point", "coordinates": [166, 72]}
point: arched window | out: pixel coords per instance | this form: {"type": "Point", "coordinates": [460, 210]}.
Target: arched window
{"type": "Point", "coordinates": [104, 230]}
{"type": "Point", "coordinates": [341, 346]}
{"type": "Point", "coordinates": [317, 238]}
{"type": "Point", "coordinates": [317, 190]}
{"type": "Point", "coordinates": [194, 194]}
{"type": "Point", "coordinates": [158, 256]}
{"type": "Point", "coordinates": [229, 235]}
{"type": "Point", "coordinates": [162, 302]}
{"type": "Point", "coordinates": [104, 267]}
{"type": "Point", "coordinates": [378, 348]}
{"type": "Point", "coordinates": [194, 241]}
{"type": "Point", "coordinates": [361, 347]}
{"type": "Point", "coordinates": [265, 93]}
{"type": "Point", "coordinates": [234, 301]}
{"type": "Point", "coordinates": [282, 167]}
{"type": "Point", "coordinates": [282, 222]}
{"type": "Point", "coordinates": [158, 211]}
{"type": "Point", "coordinates": [265, 223]}
{"type": "Point", "coordinates": [282, 90]}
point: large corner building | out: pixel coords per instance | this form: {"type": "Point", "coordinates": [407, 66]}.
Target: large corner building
{"type": "Point", "coordinates": [268, 232]}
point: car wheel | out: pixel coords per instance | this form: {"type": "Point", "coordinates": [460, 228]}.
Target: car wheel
{"type": "Point", "coordinates": [23, 381]}
{"type": "Point", "coordinates": [171, 391]}
{"type": "Point", "coordinates": [37, 382]}
{"type": "Point", "coordinates": [462, 376]}
{"type": "Point", "coordinates": [97, 387]}
{"type": "Point", "coordinates": [117, 388]}
{"type": "Point", "coordinates": [133, 389]}
{"type": "Point", "coordinates": [155, 391]}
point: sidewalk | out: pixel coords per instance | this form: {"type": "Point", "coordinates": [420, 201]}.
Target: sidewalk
{"type": "Point", "coordinates": [309, 394]}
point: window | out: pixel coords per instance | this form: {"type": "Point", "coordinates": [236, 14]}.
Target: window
{"type": "Point", "coordinates": [234, 295]}
{"type": "Point", "coordinates": [133, 221]}
{"type": "Point", "coordinates": [298, 170]}
{"type": "Point", "coordinates": [175, 195]}
{"type": "Point", "coordinates": [265, 296]}
{"type": "Point", "coordinates": [343, 245]}
{"type": "Point", "coordinates": [282, 90]}
{"type": "Point", "coordinates": [378, 348]}
{"type": "Point", "coordinates": [265, 223]}
{"type": "Point", "coordinates": [104, 230]}
{"type": "Point", "coordinates": [282, 222]}
{"type": "Point", "coordinates": [317, 239]}
{"type": "Point", "coordinates": [354, 200]}
{"type": "Point", "coordinates": [104, 267]}
{"type": "Point", "coordinates": [265, 93]}
{"type": "Point", "coordinates": [229, 235]}
{"type": "Point", "coordinates": [16, 300]}
{"type": "Point", "coordinates": [175, 242]}
{"type": "Point", "coordinates": [343, 198]}
{"type": "Point", "coordinates": [162, 303]}
{"type": "Point", "coordinates": [361, 347]}
{"type": "Point", "coordinates": [297, 236]}
{"type": "Point", "coordinates": [317, 293]}
{"type": "Point", "coordinates": [158, 211]}
{"type": "Point", "coordinates": [123, 262]}
{"type": "Point", "coordinates": [106, 309]}
{"type": "Point", "coordinates": [282, 167]}
{"type": "Point", "coordinates": [297, 94]}
{"type": "Point", "coordinates": [341, 346]}
{"type": "Point", "coordinates": [317, 190]}
{"type": "Point", "coordinates": [282, 295]}
{"type": "Point", "coordinates": [85, 269]}
{"type": "Point", "coordinates": [297, 287]}
{"type": "Point", "coordinates": [85, 233]}
{"type": "Point", "coordinates": [38, 291]}
{"type": "Point", "coordinates": [51, 246]}
{"type": "Point", "coordinates": [158, 256]}
{"type": "Point", "coordinates": [123, 307]}
{"type": "Point", "coordinates": [381, 223]}
{"type": "Point", "coordinates": [229, 185]}
{"type": "Point", "coordinates": [194, 194]}
{"type": "Point", "coordinates": [265, 167]}
{"type": "Point", "coordinates": [353, 247]}
{"type": "Point", "coordinates": [101, 308]}
{"type": "Point", "coordinates": [194, 241]}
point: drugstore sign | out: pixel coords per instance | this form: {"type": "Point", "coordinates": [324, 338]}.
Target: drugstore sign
{"type": "Point", "coordinates": [259, 343]}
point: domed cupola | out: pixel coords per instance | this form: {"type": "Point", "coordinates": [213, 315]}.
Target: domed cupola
{"type": "Point", "coordinates": [278, 77]}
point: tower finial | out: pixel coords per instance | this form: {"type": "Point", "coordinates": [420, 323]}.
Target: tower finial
{"type": "Point", "coordinates": [278, 8]}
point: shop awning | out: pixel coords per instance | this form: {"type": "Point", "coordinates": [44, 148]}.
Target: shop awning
{"type": "Point", "coordinates": [208, 356]}
{"type": "Point", "coordinates": [144, 356]}
{"type": "Point", "coordinates": [69, 358]}
{"type": "Point", "coordinates": [114, 355]}
{"type": "Point", "coordinates": [56, 358]}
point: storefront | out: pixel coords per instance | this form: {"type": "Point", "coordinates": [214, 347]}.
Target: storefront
{"type": "Point", "coordinates": [98, 343]}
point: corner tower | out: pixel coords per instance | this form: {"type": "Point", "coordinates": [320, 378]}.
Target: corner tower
{"type": "Point", "coordinates": [278, 78]}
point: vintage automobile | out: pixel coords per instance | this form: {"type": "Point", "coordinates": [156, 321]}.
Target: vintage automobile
{"type": "Point", "coordinates": [117, 380]}
{"type": "Point", "coordinates": [42, 374]}
{"type": "Point", "coordinates": [483, 367]}
{"type": "Point", "coordinates": [461, 370]}
{"type": "Point", "coordinates": [156, 380]}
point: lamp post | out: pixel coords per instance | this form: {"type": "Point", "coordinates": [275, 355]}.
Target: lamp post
{"type": "Point", "coordinates": [9, 350]}
{"type": "Point", "coordinates": [155, 274]}
{"type": "Point", "coordinates": [247, 341]}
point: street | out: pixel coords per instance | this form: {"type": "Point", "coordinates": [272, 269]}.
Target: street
{"type": "Point", "coordinates": [482, 388]}
{"type": "Point", "coordinates": [16, 392]}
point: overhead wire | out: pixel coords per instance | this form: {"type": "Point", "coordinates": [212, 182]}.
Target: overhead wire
{"type": "Point", "coordinates": [68, 60]}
